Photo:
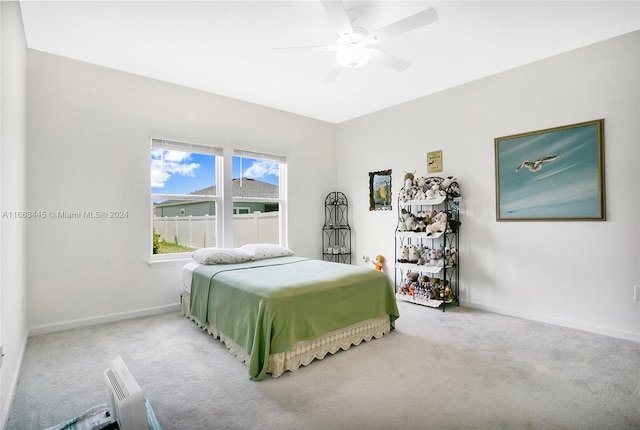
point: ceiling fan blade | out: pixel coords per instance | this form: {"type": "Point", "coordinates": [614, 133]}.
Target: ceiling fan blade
{"type": "Point", "coordinates": [332, 75]}
{"type": "Point", "coordinates": [338, 15]}
{"type": "Point", "coordinates": [405, 25]}
{"type": "Point", "coordinates": [389, 60]}
{"type": "Point", "coordinates": [321, 48]}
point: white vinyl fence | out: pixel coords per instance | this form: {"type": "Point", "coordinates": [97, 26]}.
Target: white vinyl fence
{"type": "Point", "coordinates": [200, 231]}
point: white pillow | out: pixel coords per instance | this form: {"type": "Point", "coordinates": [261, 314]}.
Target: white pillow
{"type": "Point", "coordinates": [221, 256]}
{"type": "Point", "coordinates": [266, 250]}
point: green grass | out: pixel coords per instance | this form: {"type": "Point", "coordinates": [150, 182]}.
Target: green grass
{"type": "Point", "coordinates": [170, 248]}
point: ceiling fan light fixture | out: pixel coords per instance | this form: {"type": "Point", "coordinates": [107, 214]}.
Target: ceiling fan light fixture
{"type": "Point", "coordinates": [352, 55]}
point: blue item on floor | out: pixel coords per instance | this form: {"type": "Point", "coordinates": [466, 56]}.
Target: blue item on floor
{"type": "Point", "coordinates": [99, 418]}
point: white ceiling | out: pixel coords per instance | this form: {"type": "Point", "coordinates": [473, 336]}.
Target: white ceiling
{"type": "Point", "coordinates": [225, 47]}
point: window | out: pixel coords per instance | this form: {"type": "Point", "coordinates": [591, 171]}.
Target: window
{"type": "Point", "coordinates": [258, 187]}
{"type": "Point", "coordinates": [188, 188]}
{"type": "Point", "coordinates": [184, 196]}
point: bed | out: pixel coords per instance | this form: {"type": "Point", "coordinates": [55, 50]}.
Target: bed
{"type": "Point", "coordinates": [276, 312]}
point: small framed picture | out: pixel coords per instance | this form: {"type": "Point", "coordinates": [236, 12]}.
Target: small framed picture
{"type": "Point", "coordinates": [434, 162]}
{"type": "Point", "coordinates": [380, 190]}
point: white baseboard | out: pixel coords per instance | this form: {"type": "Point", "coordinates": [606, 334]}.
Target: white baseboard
{"type": "Point", "coordinates": [6, 408]}
{"type": "Point", "coordinates": [51, 328]}
{"type": "Point", "coordinates": [592, 328]}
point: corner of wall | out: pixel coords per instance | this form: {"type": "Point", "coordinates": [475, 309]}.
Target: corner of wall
{"type": "Point", "coordinates": [13, 118]}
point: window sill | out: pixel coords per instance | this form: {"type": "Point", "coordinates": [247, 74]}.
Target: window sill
{"type": "Point", "coordinates": [167, 262]}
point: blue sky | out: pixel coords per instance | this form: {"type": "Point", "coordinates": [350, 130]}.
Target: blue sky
{"type": "Point", "coordinates": [177, 172]}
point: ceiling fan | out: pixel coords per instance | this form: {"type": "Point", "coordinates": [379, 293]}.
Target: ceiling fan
{"type": "Point", "coordinates": [355, 46]}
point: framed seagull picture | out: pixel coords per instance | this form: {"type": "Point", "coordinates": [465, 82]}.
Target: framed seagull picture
{"type": "Point", "coordinates": [555, 174]}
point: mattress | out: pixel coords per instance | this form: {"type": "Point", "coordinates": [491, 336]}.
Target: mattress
{"type": "Point", "coordinates": [187, 275]}
{"type": "Point", "coordinates": [271, 308]}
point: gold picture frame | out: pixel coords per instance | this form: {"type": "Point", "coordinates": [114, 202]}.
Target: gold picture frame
{"type": "Point", "coordinates": [556, 174]}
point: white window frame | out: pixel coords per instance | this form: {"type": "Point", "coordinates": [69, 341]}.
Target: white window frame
{"type": "Point", "coordinates": [176, 145]}
{"type": "Point", "coordinates": [224, 206]}
{"type": "Point", "coordinates": [282, 189]}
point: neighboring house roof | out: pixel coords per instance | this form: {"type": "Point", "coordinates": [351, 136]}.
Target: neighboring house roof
{"type": "Point", "coordinates": [240, 187]}
{"type": "Point", "coordinates": [246, 187]}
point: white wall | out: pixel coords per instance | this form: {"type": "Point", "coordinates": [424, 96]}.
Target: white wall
{"type": "Point", "coordinates": [88, 149]}
{"type": "Point", "coordinates": [578, 274]}
{"type": "Point", "coordinates": [13, 105]}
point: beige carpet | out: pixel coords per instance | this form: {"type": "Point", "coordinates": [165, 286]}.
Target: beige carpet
{"type": "Point", "coordinates": [462, 369]}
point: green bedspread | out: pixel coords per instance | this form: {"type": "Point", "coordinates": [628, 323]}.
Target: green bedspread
{"type": "Point", "coordinates": [267, 306]}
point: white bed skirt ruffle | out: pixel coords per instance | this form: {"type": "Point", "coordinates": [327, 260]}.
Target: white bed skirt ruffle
{"type": "Point", "coordinates": [303, 352]}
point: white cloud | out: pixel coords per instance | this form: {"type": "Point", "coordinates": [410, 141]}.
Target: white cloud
{"type": "Point", "coordinates": [176, 156]}
{"type": "Point", "coordinates": [166, 163]}
{"type": "Point", "coordinates": [261, 168]}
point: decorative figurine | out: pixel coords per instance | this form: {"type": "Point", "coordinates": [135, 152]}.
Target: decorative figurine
{"type": "Point", "coordinates": [378, 262]}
